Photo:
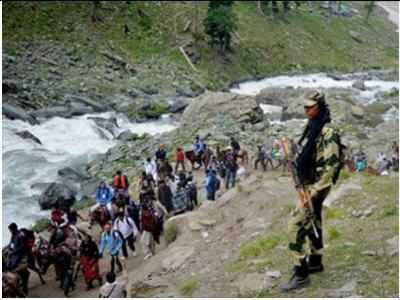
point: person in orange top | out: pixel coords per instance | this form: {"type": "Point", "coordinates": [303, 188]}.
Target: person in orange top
{"type": "Point", "coordinates": [120, 184]}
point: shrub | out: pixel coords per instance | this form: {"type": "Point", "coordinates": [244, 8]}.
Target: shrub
{"type": "Point", "coordinates": [188, 287]}
{"type": "Point", "coordinates": [333, 234]}
{"type": "Point", "coordinates": [171, 233]}
{"type": "Point", "coordinates": [41, 225]}
{"type": "Point", "coordinates": [259, 246]}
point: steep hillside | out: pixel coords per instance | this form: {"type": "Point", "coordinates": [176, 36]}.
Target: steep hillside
{"type": "Point", "coordinates": [36, 35]}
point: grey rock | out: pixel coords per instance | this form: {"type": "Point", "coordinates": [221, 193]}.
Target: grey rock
{"type": "Point", "coordinates": [127, 135]}
{"type": "Point", "coordinates": [178, 105]}
{"type": "Point", "coordinates": [57, 191]}
{"type": "Point", "coordinates": [261, 126]}
{"type": "Point", "coordinates": [97, 107]}
{"type": "Point", "coordinates": [210, 107]}
{"type": "Point", "coordinates": [9, 58]}
{"type": "Point", "coordinates": [359, 84]}
{"type": "Point", "coordinates": [40, 186]}
{"type": "Point", "coordinates": [346, 290]}
{"type": "Point", "coordinates": [273, 274]}
{"type": "Point", "coordinates": [369, 253]}
{"type": "Point", "coordinates": [88, 188]}
{"type": "Point", "coordinates": [355, 36]}
{"type": "Point", "coordinates": [392, 246]}
{"type": "Point", "coordinates": [114, 154]}
{"type": "Point", "coordinates": [149, 90]}
{"type": "Point", "coordinates": [25, 134]}
{"type": "Point", "coordinates": [10, 86]}
{"type": "Point", "coordinates": [369, 211]}
{"type": "Point", "coordinates": [16, 113]}
{"type": "Point", "coordinates": [55, 111]}
{"type": "Point", "coordinates": [72, 174]}
{"type": "Point", "coordinates": [357, 111]}
{"type": "Point", "coordinates": [208, 222]}
{"type": "Point", "coordinates": [356, 213]}
{"type": "Point", "coordinates": [109, 124]}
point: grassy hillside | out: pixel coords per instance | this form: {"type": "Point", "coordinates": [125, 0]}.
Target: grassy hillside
{"type": "Point", "coordinates": [261, 46]}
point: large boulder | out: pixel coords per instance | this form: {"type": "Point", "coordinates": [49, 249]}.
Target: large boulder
{"type": "Point", "coordinates": [359, 84]}
{"type": "Point", "coordinates": [109, 124]}
{"type": "Point", "coordinates": [51, 112]}
{"type": "Point", "coordinates": [97, 107]}
{"type": "Point", "coordinates": [127, 135]}
{"type": "Point", "coordinates": [55, 192]}
{"type": "Point", "coordinates": [72, 174]}
{"type": "Point", "coordinates": [10, 86]}
{"type": "Point", "coordinates": [278, 96]}
{"type": "Point", "coordinates": [25, 134]}
{"type": "Point", "coordinates": [178, 106]}
{"type": "Point", "coordinates": [357, 111]}
{"type": "Point", "coordinates": [211, 106]}
{"type": "Point", "coordinates": [145, 108]}
{"type": "Point", "coordinates": [12, 112]}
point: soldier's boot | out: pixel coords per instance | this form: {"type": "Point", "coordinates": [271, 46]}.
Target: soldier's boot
{"type": "Point", "coordinates": [315, 264]}
{"type": "Point", "coordinates": [299, 278]}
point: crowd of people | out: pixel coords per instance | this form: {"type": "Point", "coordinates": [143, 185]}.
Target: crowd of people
{"type": "Point", "coordinates": [383, 164]}
{"type": "Point", "coordinates": [163, 191]}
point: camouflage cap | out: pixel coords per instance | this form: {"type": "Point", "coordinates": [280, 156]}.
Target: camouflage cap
{"type": "Point", "coordinates": [313, 97]}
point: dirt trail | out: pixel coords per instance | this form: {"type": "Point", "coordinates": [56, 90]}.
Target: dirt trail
{"type": "Point", "coordinates": [51, 290]}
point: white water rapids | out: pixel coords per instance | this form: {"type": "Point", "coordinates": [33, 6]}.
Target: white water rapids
{"type": "Point", "coordinates": [65, 142]}
{"type": "Point", "coordinates": [71, 142]}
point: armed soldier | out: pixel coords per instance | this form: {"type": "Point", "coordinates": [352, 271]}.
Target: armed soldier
{"type": "Point", "coordinates": [315, 170]}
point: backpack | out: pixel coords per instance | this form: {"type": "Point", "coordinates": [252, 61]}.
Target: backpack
{"type": "Point", "coordinates": [148, 220]}
{"type": "Point", "coordinates": [28, 238]}
{"type": "Point", "coordinates": [217, 184]}
{"type": "Point", "coordinates": [126, 181]}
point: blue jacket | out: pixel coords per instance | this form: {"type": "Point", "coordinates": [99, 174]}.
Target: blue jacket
{"type": "Point", "coordinates": [198, 146]}
{"type": "Point", "coordinates": [112, 241]}
{"type": "Point", "coordinates": [211, 182]}
{"type": "Point", "coordinates": [103, 195]}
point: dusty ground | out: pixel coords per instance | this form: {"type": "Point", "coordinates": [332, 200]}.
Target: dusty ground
{"type": "Point", "coordinates": [237, 245]}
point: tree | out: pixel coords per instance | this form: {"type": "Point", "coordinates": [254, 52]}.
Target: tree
{"type": "Point", "coordinates": [370, 7]}
{"type": "Point", "coordinates": [220, 23]}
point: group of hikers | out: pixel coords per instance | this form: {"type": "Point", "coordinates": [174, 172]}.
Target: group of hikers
{"type": "Point", "coordinates": [164, 191]}
{"type": "Point", "coordinates": [383, 164]}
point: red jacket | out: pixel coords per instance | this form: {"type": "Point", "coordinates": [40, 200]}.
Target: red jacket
{"type": "Point", "coordinates": [120, 182]}
{"type": "Point", "coordinates": [180, 156]}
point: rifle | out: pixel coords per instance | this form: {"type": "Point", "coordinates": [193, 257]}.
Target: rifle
{"type": "Point", "coordinates": [304, 196]}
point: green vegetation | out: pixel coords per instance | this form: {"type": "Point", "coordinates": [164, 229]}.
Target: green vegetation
{"type": "Point", "coordinates": [346, 238]}
{"type": "Point", "coordinates": [377, 108]}
{"type": "Point", "coordinates": [306, 42]}
{"type": "Point", "coordinates": [260, 246]}
{"type": "Point", "coordinates": [390, 210]}
{"type": "Point", "coordinates": [220, 23]}
{"type": "Point", "coordinates": [171, 233]}
{"type": "Point", "coordinates": [152, 111]}
{"type": "Point", "coordinates": [344, 174]}
{"type": "Point", "coordinates": [334, 213]}
{"type": "Point", "coordinates": [333, 234]}
{"type": "Point", "coordinates": [189, 287]}
{"type": "Point", "coordinates": [41, 225]}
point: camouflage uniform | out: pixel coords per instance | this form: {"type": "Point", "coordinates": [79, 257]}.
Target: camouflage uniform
{"type": "Point", "coordinates": [300, 226]}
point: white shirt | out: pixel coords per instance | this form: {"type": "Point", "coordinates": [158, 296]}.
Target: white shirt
{"type": "Point", "coordinates": [150, 168]}
{"type": "Point", "coordinates": [126, 226]}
